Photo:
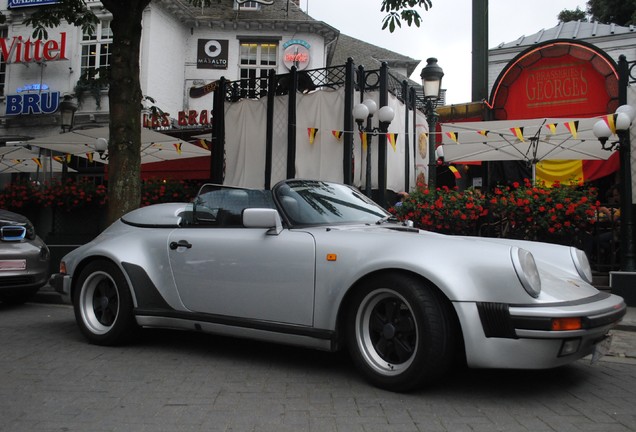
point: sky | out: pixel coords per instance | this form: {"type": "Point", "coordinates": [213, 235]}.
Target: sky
{"type": "Point", "coordinates": [445, 31]}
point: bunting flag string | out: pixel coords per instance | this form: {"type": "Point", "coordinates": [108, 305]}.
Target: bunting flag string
{"type": "Point", "coordinates": [572, 126]}
{"type": "Point", "coordinates": [483, 132]}
{"type": "Point", "coordinates": [454, 171]}
{"type": "Point", "coordinates": [312, 134]}
{"type": "Point", "coordinates": [177, 147]}
{"type": "Point", "coordinates": [337, 134]}
{"type": "Point", "coordinates": [518, 132]}
{"type": "Point", "coordinates": [392, 138]}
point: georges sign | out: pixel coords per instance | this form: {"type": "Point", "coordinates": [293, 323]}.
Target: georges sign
{"type": "Point", "coordinates": [20, 50]}
{"type": "Point", "coordinates": [559, 83]}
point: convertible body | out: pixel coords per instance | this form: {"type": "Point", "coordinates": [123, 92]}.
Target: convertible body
{"type": "Point", "coordinates": [317, 264]}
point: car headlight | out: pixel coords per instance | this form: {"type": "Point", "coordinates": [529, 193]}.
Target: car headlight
{"type": "Point", "coordinates": [527, 271]}
{"type": "Point", "coordinates": [581, 264]}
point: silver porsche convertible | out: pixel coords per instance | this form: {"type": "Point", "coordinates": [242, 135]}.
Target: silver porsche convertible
{"type": "Point", "coordinates": [317, 264]}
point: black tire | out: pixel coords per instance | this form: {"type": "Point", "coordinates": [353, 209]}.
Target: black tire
{"type": "Point", "coordinates": [103, 304]}
{"type": "Point", "coordinates": [401, 333]}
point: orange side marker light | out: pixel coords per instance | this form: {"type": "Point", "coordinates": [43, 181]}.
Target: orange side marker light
{"type": "Point", "coordinates": [566, 324]}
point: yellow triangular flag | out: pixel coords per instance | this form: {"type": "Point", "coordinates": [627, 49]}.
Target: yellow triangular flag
{"type": "Point", "coordinates": [518, 132]}
{"type": "Point", "coordinates": [611, 122]}
{"type": "Point", "coordinates": [312, 134]}
{"type": "Point", "coordinates": [392, 137]}
{"type": "Point", "coordinates": [363, 138]}
{"type": "Point", "coordinates": [572, 127]}
{"type": "Point", "coordinates": [337, 134]}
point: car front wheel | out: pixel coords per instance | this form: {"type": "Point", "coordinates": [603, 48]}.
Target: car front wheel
{"type": "Point", "coordinates": [103, 304]}
{"type": "Point", "coordinates": [400, 332]}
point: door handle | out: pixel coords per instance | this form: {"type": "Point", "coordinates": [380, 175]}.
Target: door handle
{"type": "Point", "coordinates": [181, 243]}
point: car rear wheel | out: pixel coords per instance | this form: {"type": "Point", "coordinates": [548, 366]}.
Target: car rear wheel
{"type": "Point", "coordinates": [103, 304]}
{"type": "Point", "coordinates": [400, 332]}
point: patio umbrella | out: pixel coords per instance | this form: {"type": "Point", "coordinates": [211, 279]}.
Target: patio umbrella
{"type": "Point", "coordinates": [155, 146]}
{"type": "Point", "coordinates": [532, 140]}
{"type": "Point", "coordinates": [14, 159]}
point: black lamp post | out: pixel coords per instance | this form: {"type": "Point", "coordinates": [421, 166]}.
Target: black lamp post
{"type": "Point", "coordinates": [365, 111]}
{"type": "Point", "coordinates": [432, 85]}
{"type": "Point", "coordinates": [67, 110]}
{"type": "Point", "coordinates": [623, 119]}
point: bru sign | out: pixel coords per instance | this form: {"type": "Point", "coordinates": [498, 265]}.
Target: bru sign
{"type": "Point", "coordinates": [33, 103]}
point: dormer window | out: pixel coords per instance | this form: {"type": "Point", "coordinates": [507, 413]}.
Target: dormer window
{"type": "Point", "coordinates": [247, 5]}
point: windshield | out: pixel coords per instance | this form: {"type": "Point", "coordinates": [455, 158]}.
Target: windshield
{"type": "Point", "coordinates": [311, 202]}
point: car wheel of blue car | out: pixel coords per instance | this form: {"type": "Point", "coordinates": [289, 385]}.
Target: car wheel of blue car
{"type": "Point", "coordinates": [103, 304]}
{"type": "Point", "coordinates": [400, 332]}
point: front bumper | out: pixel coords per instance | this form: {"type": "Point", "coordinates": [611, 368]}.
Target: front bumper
{"type": "Point", "coordinates": [521, 336]}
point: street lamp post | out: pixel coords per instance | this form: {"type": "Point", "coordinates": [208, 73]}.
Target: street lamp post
{"type": "Point", "coordinates": [622, 119]}
{"type": "Point", "coordinates": [431, 85]}
{"type": "Point", "coordinates": [365, 111]}
{"type": "Point", "coordinates": [67, 110]}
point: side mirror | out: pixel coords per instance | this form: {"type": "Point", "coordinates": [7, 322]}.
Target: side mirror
{"type": "Point", "coordinates": [263, 218]}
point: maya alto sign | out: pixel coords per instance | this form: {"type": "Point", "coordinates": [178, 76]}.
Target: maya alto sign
{"type": "Point", "coordinates": [20, 50]}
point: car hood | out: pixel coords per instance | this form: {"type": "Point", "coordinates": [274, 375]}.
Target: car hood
{"type": "Point", "coordinates": [9, 218]}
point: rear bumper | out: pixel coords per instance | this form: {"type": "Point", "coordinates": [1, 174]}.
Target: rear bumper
{"type": "Point", "coordinates": [61, 283]}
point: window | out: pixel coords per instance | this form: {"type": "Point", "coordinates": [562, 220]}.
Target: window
{"type": "Point", "coordinates": [96, 49]}
{"type": "Point", "coordinates": [246, 5]}
{"type": "Point", "coordinates": [256, 60]}
{"type": "Point", "coordinates": [3, 63]}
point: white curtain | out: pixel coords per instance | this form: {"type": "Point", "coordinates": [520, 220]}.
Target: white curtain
{"type": "Point", "coordinates": [319, 114]}
{"type": "Point", "coordinates": [245, 127]}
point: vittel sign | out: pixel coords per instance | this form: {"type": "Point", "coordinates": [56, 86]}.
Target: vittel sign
{"type": "Point", "coordinates": [17, 49]}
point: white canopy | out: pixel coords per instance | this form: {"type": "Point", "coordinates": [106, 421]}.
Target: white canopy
{"type": "Point", "coordinates": [155, 146]}
{"type": "Point", "coordinates": [531, 140]}
{"type": "Point", "coordinates": [14, 159]}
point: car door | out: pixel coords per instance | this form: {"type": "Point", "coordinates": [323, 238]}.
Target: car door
{"type": "Point", "coordinates": [245, 272]}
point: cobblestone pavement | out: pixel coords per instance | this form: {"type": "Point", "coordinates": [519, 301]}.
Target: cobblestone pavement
{"type": "Point", "coordinates": [52, 380]}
